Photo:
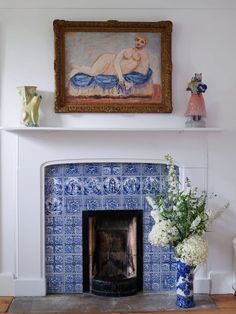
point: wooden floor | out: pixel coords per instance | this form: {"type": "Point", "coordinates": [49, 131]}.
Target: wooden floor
{"type": "Point", "coordinates": [226, 304]}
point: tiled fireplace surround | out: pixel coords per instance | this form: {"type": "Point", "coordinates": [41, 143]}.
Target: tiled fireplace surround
{"type": "Point", "coordinates": [71, 189]}
{"type": "Point", "coordinates": [73, 171]}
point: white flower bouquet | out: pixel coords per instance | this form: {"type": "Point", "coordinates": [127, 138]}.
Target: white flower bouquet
{"type": "Point", "coordinates": [181, 219]}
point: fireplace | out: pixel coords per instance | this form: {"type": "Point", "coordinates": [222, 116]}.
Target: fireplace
{"type": "Point", "coordinates": [85, 202]}
{"type": "Point", "coordinates": [112, 252]}
{"type": "Point", "coordinates": [71, 172]}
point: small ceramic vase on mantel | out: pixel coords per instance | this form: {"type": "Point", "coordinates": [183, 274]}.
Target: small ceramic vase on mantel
{"type": "Point", "coordinates": [30, 105]}
{"type": "Point", "coordinates": [196, 110]}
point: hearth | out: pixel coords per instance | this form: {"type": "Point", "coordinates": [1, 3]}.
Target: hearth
{"type": "Point", "coordinates": [112, 252]}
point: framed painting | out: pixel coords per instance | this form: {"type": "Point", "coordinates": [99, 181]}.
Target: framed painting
{"type": "Point", "coordinates": [113, 66]}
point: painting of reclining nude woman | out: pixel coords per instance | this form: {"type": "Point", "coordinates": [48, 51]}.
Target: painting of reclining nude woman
{"type": "Point", "coordinates": [126, 68]}
{"type": "Point", "coordinates": [113, 70]}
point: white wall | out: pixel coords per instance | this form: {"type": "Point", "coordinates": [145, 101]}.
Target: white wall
{"type": "Point", "coordinates": [203, 41]}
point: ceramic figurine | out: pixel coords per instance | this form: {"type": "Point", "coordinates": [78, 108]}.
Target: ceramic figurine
{"type": "Point", "coordinates": [196, 110]}
{"type": "Point", "coordinates": [30, 105]}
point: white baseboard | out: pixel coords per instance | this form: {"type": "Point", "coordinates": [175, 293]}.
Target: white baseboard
{"type": "Point", "coordinates": [221, 282]}
{"type": "Point", "coordinates": [202, 285]}
{"type": "Point", "coordinates": [30, 287]}
{"type": "Point", "coordinates": [6, 285]}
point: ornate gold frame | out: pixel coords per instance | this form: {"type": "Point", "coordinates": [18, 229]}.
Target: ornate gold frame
{"type": "Point", "coordinates": [163, 27]}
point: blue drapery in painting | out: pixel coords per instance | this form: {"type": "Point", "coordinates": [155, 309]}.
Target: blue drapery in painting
{"type": "Point", "coordinates": [109, 81]}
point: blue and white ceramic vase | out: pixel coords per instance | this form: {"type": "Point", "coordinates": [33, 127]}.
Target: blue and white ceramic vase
{"type": "Point", "coordinates": [184, 285]}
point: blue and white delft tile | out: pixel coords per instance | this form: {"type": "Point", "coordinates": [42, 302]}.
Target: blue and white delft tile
{"type": "Point", "coordinates": [152, 286]}
{"type": "Point", "coordinates": [58, 259]}
{"type": "Point", "coordinates": [74, 221]}
{"type": "Point", "coordinates": [73, 186]}
{"type": "Point", "coordinates": [71, 268]}
{"type": "Point", "coordinates": [107, 169]}
{"type": "Point", "coordinates": [165, 257]}
{"type": "Point", "coordinates": [173, 266]}
{"type": "Point", "coordinates": [164, 169]}
{"type": "Point", "coordinates": [53, 206]}
{"type": "Point", "coordinates": [147, 228]}
{"type": "Point", "coordinates": [73, 278]}
{"type": "Point", "coordinates": [147, 277]}
{"type": "Point", "coordinates": [112, 185]}
{"type": "Point", "coordinates": [53, 171]}
{"type": "Point", "coordinates": [112, 203]}
{"type": "Point", "coordinates": [151, 169]}
{"type": "Point", "coordinates": [55, 283]}
{"type": "Point", "coordinates": [155, 268]}
{"type": "Point", "coordinates": [72, 205]}
{"type": "Point", "coordinates": [73, 170]}
{"type": "Point", "coordinates": [73, 230]}
{"type": "Point", "coordinates": [54, 240]}
{"type": "Point", "coordinates": [92, 203]}
{"type": "Point", "coordinates": [173, 258]}
{"type": "Point", "coordinates": [131, 169]}
{"type": "Point", "coordinates": [167, 249]}
{"type": "Point", "coordinates": [168, 281]}
{"type": "Point", "coordinates": [54, 230]}
{"type": "Point", "coordinates": [54, 221]}
{"type": "Point", "coordinates": [131, 185]}
{"type": "Point", "coordinates": [155, 278]}
{"type": "Point", "coordinates": [116, 170]}
{"type": "Point", "coordinates": [156, 286]}
{"type": "Point", "coordinates": [49, 269]}
{"type": "Point", "coordinates": [73, 240]}
{"type": "Point", "coordinates": [58, 269]}
{"type": "Point", "coordinates": [151, 185]}
{"type": "Point", "coordinates": [73, 264]}
{"type": "Point", "coordinates": [132, 202]}
{"type": "Point", "coordinates": [92, 169]}
{"type": "Point", "coordinates": [148, 219]}
{"type": "Point", "coordinates": [73, 248]}
{"type": "Point", "coordinates": [168, 257]}
{"type": "Point", "coordinates": [54, 244]}
{"type": "Point", "coordinates": [92, 185]}
{"type": "Point", "coordinates": [70, 288]}
{"type": "Point", "coordinates": [146, 207]}
{"type": "Point", "coordinates": [151, 258]}
{"type": "Point", "coordinates": [73, 288]}
{"type": "Point", "coordinates": [147, 287]}
{"type": "Point", "coordinates": [151, 277]}
{"type": "Point", "coordinates": [145, 239]}
{"type": "Point", "coordinates": [147, 268]}
{"type": "Point", "coordinates": [165, 267]}
{"type": "Point", "coordinates": [111, 169]}
{"type": "Point", "coordinates": [149, 248]}
{"type": "Point", "coordinates": [50, 259]}
{"type": "Point", "coordinates": [53, 186]}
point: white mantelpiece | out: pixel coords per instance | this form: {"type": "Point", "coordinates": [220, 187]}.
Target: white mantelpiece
{"type": "Point", "coordinates": [18, 129]}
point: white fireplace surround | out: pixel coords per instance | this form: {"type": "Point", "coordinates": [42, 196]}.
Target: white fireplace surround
{"type": "Point", "coordinates": [30, 152]}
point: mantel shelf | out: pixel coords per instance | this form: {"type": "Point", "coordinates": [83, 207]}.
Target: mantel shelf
{"type": "Point", "coordinates": [20, 129]}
